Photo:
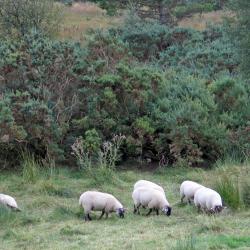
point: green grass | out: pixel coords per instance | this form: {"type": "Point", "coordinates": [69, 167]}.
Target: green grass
{"type": "Point", "coordinates": [52, 219]}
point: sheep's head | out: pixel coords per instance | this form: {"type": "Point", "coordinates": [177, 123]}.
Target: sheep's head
{"type": "Point", "coordinates": [167, 210]}
{"type": "Point", "coordinates": [217, 209]}
{"type": "Point", "coordinates": [120, 212]}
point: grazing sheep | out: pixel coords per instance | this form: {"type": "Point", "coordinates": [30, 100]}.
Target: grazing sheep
{"type": "Point", "coordinates": [208, 200]}
{"type": "Point", "coordinates": [188, 189]}
{"type": "Point", "coordinates": [149, 184]}
{"type": "Point", "coordinates": [97, 201]}
{"type": "Point", "coordinates": [9, 202]}
{"type": "Point", "coordinates": [151, 198]}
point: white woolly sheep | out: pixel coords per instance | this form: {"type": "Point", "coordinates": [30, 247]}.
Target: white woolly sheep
{"type": "Point", "coordinates": [188, 189]}
{"type": "Point", "coordinates": [9, 202]}
{"type": "Point", "coordinates": [149, 184]}
{"type": "Point", "coordinates": [208, 200]}
{"type": "Point", "coordinates": [151, 198]}
{"type": "Point", "coordinates": [97, 201]}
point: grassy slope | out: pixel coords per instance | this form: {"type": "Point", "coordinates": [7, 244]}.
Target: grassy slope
{"type": "Point", "coordinates": [81, 17]}
{"type": "Point", "coordinates": [51, 218]}
{"type": "Point", "coordinates": [201, 21]}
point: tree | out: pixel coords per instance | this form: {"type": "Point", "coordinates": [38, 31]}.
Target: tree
{"type": "Point", "coordinates": [19, 17]}
{"type": "Point", "coordinates": [240, 31]}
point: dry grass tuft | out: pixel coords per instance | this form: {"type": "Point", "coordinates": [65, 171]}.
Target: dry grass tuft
{"type": "Point", "coordinates": [201, 21]}
{"type": "Point", "coordinates": [81, 17]}
{"type": "Point", "coordinates": [87, 8]}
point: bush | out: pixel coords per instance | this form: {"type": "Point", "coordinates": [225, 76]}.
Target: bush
{"type": "Point", "coordinates": [171, 91]}
{"type": "Point", "coordinates": [37, 95]}
{"type": "Point", "coordinates": [19, 17]}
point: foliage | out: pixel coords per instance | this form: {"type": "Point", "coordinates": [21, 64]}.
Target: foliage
{"type": "Point", "coordinates": [37, 95]}
{"type": "Point", "coordinates": [239, 30]}
{"type": "Point", "coordinates": [207, 54]}
{"type": "Point", "coordinates": [174, 93]}
{"type": "Point", "coordinates": [17, 18]}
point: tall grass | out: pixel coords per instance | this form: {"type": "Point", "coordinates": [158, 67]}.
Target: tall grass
{"type": "Point", "coordinates": [228, 187]}
{"type": "Point", "coordinates": [30, 167]}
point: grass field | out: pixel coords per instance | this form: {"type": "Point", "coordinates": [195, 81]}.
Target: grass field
{"type": "Point", "coordinates": [51, 217]}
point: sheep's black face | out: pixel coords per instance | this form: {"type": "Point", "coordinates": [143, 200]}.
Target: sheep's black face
{"type": "Point", "coordinates": [120, 212]}
{"type": "Point", "coordinates": [167, 210]}
{"type": "Point", "coordinates": [218, 209]}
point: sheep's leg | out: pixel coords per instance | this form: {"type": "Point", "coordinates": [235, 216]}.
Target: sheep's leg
{"type": "Point", "coordinates": [189, 201]}
{"type": "Point", "coordinates": [157, 211]}
{"type": "Point", "coordinates": [107, 215]}
{"type": "Point", "coordinates": [199, 208]}
{"type": "Point", "coordinates": [182, 197]}
{"type": "Point", "coordinates": [149, 212]}
{"type": "Point", "coordinates": [103, 212]}
{"type": "Point", "coordinates": [135, 210]}
{"type": "Point", "coordinates": [138, 210]}
{"type": "Point", "coordinates": [89, 217]}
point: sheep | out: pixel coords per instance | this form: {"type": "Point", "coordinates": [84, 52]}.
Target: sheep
{"type": "Point", "coordinates": [97, 201]}
{"type": "Point", "coordinates": [149, 184]}
{"type": "Point", "coordinates": [9, 202]}
{"type": "Point", "coordinates": [151, 198]}
{"type": "Point", "coordinates": [188, 189]}
{"type": "Point", "coordinates": [208, 200]}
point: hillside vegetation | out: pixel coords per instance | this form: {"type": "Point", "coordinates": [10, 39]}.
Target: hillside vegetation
{"type": "Point", "coordinates": [95, 96]}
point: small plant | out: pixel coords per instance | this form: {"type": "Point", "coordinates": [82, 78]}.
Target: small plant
{"type": "Point", "coordinates": [109, 154]}
{"type": "Point", "coordinates": [82, 155]}
{"type": "Point", "coordinates": [30, 167]}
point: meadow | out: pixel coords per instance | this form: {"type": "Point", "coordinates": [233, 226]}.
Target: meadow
{"type": "Point", "coordinates": [52, 219]}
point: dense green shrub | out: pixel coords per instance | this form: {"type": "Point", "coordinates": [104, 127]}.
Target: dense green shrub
{"type": "Point", "coordinates": [208, 53]}
{"type": "Point", "coordinates": [173, 92]}
{"type": "Point", "coordinates": [239, 31]}
{"type": "Point", "coordinates": [37, 94]}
